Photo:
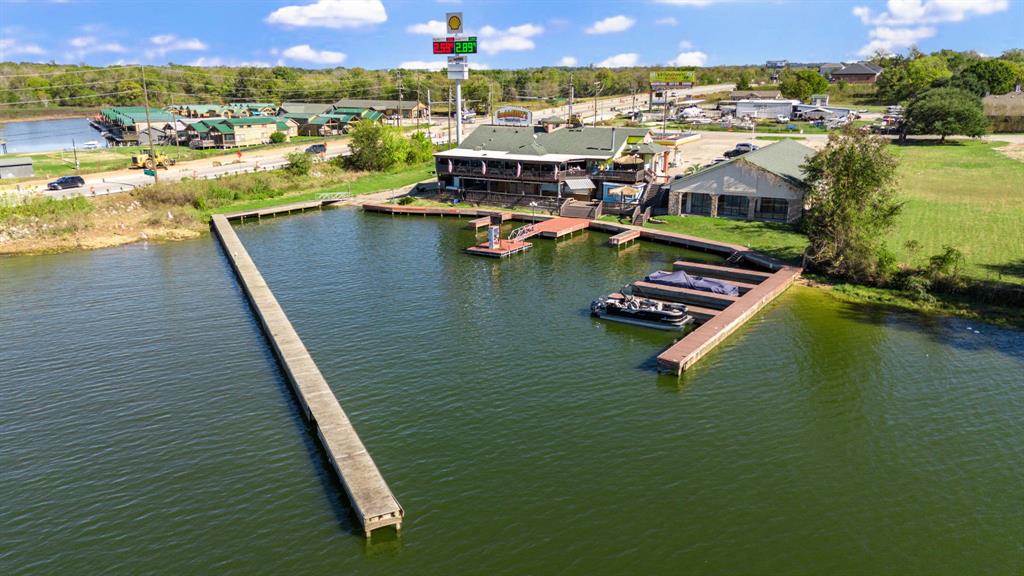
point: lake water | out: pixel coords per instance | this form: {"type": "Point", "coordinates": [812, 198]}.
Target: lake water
{"type": "Point", "coordinates": [48, 135]}
{"type": "Point", "coordinates": [147, 429]}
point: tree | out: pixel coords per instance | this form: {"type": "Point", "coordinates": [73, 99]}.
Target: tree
{"type": "Point", "coordinates": [998, 76]}
{"type": "Point", "coordinates": [801, 84]}
{"type": "Point", "coordinates": [743, 81]}
{"type": "Point", "coordinates": [299, 164]}
{"type": "Point", "coordinates": [909, 78]}
{"type": "Point", "coordinates": [946, 111]}
{"type": "Point", "coordinates": [377, 147]}
{"type": "Point", "coordinates": [853, 205]}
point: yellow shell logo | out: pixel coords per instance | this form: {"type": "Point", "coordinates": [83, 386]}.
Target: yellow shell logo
{"type": "Point", "coordinates": [454, 22]}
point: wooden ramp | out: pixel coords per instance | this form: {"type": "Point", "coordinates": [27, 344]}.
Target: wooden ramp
{"type": "Point", "coordinates": [623, 238]}
{"type": "Point", "coordinates": [374, 504]}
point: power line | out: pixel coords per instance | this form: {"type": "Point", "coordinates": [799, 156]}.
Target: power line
{"type": "Point", "coordinates": [86, 71]}
{"type": "Point", "coordinates": [67, 98]}
{"type": "Point", "coordinates": [51, 86]}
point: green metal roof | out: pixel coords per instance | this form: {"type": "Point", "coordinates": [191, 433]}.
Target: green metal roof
{"type": "Point", "coordinates": [586, 141]}
{"type": "Point", "coordinates": [784, 158]}
{"type": "Point", "coordinates": [282, 126]}
{"type": "Point", "coordinates": [250, 120]}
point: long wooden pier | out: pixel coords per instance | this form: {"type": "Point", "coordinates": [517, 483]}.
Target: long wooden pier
{"type": "Point", "coordinates": [374, 504]}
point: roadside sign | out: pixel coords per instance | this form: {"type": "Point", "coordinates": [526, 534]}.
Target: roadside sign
{"type": "Point", "coordinates": [149, 172]}
{"type": "Point", "coordinates": [513, 116]}
{"type": "Point", "coordinates": [673, 79]}
{"type": "Point", "coordinates": [454, 22]}
{"type": "Point", "coordinates": [455, 45]}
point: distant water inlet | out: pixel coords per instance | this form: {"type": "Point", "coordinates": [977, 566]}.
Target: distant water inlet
{"type": "Point", "coordinates": [49, 135]}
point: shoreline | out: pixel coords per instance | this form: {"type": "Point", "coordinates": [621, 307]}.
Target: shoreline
{"type": "Point", "coordinates": [76, 116]}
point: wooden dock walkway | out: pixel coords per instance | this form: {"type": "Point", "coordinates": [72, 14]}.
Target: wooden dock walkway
{"type": "Point", "coordinates": [705, 337]}
{"type": "Point", "coordinates": [624, 237]}
{"type": "Point", "coordinates": [372, 500]}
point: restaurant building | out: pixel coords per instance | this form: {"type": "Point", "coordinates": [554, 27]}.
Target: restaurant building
{"type": "Point", "coordinates": [548, 164]}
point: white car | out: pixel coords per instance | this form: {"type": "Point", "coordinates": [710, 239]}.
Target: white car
{"type": "Point", "coordinates": [782, 119]}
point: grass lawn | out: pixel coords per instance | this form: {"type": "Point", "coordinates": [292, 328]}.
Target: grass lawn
{"type": "Point", "coordinates": [373, 182]}
{"type": "Point", "coordinates": [777, 138]}
{"type": "Point", "coordinates": [775, 239]}
{"type": "Point", "coordinates": [967, 195]}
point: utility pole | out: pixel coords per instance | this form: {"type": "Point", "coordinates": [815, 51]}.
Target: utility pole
{"type": "Point", "coordinates": [449, 115]}
{"type": "Point", "coordinates": [75, 148]}
{"type": "Point", "coordinates": [490, 110]}
{"type": "Point", "coordinates": [597, 92]}
{"type": "Point", "coordinates": [149, 127]}
{"type": "Point", "coordinates": [458, 112]}
{"type": "Point", "coordinates": [399, 98]}
{"type": "Point", "coordinates": [572, 92]}
{"type": "Point", "coordinates": [633, 109]}
{"type": "Point", "coordinates": [664, 117]}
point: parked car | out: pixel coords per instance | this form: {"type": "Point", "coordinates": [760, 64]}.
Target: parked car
{"type": "Point", "coordinates": [740, 149]}
{"type": "Point", "coordinates": [317, 149]}
{"type": "Point", "coordinates": [782, 119]}
{"type": "Point", "coordinates": [66, 182]}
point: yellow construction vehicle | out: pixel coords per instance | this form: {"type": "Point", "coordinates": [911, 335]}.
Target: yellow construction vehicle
{"type": "Point", "coordinates": [150, 161]}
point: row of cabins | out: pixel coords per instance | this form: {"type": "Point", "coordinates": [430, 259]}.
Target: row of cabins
{"type": "Point", "coordinates": [620, 168]}
{"type": "Point", "coordinates": [246, 123]}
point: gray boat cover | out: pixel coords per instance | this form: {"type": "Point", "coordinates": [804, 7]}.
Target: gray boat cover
{"type": "Point", "coordinates": [683, 280]}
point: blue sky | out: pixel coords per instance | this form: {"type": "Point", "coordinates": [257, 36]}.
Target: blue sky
{"type": "Point", "coordinates": [513, 34]}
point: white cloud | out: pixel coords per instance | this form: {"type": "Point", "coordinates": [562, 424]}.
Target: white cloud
{"type": "Point", "coordinates": [331, 14]}
{"type": "Point", "coordinates": [685, 44]}
{"type": "Point", "coordinates": [435, 65]}
{"type": "Point", "coordinates": [611, 24]}
{"type": "Point", "coordinates": [165, 43]}
{"type": "Point", "coordinates": [11, 47]}
{"type": "Point", "coordinates": [217, 61]}
{"type": "Point", "coordinates": [514, 38]}
{"type": "Point", "coordinates": [670, 21]}
{"type": "Point", "coordinates": [619, 60]}
{"type": "Point", "coordinates": [888, 40]}
{"type": "Point", "coordinates": [694, 58]}
{"type": "Point", "coordinates": [697, 3]}
{"type": "Point", "coordinates": [83, 45]}
{"type": "Point", "coordinates": [568, 61]}
{"type": "Point", "coordinates": [430, 28]}
{"type": "Point", "coordinates": [920, 12]}
{"type": "Point", "coordinates": [305, 53]}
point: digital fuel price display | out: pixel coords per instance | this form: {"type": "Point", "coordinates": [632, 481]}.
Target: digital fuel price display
{"type": "Point", "coordinates": [453, 45]}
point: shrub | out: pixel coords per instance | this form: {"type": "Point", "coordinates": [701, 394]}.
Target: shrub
{"type": "Point", "coordinates": [278, 137]}
{"type": "Point", "coordinates": [299, 164]}
{"type": "Point", "coordinates": [404, 200]}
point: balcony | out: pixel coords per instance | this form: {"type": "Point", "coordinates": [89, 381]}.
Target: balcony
{"type": "Point", "coordinates": [635, 176]}
{"type": "Point", "coordinates": [544, 175]}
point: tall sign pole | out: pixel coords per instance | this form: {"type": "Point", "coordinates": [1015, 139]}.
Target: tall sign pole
{"type": "Point", "coordinates": [457, 47]}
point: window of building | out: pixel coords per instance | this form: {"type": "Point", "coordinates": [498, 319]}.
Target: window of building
{"type": "Point", "coordinates": [733, 206]}
{"type": "Point", "coordinates": [772, 209]}
{"type": "Point", "coordinates": [700, 204]}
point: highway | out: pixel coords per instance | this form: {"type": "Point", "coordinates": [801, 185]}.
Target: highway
{"type": "Point", "coordinates": [242, 161]}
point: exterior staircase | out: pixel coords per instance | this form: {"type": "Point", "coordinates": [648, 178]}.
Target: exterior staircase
{"type": "Point", "coordinates": [575, 209]}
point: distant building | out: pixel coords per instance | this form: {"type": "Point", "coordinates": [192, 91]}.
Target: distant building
{"type": "Point", "coordinates": [409, 108]}
{"type": "Point", "coordinates": [764, 108]}
{"type": "Point", "coordinates": [16, 167]}
{"type": "Point", "coordinates": [766, 184]}
{"type": "Point", "coordinates": [826, 70]}
{"type": "Point", "coordinates": [819, 100]}
{"type": "Point", "coordinates": [1005, 111]}
{"type": "Point", "coordinates": [857, 73]}
{"type": "Point", "coordinates": [309, 108]}
{"type": "Point", "coordinates": [776, 64]}
{"type": "Point", "coordinates": [510, 165]}
{"type": "Point", "coordinates": [755, 95]}
{"type": "Point", "coordinates": [231, 132]}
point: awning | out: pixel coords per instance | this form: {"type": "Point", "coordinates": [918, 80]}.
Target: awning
{"type": "Point", "coordinates": [579, 184]}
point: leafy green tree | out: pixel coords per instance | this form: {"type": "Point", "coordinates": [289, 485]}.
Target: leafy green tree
{"type": "Point", "coordinates": [802, 84]}
{"type": "Point", "coordinates": [377, 147]}
{"type": "Point", "coordinates": [911, 77]}
{"type": "Point", "coordinates": [299, 164]}
{"type": "Point", "coordinates": [998, 76]}
{"type": "Point", "coordinates": [420, 149]}
{"type": "Point", "coordinates": [743, 81]}
{"type": "Point", "coordinates": [946, 111]}
{"type": "Point", "coordinates": [853, 205]}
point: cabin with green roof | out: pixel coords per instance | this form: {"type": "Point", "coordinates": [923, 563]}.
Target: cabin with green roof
{"type": "Point", "coordinates": [766, 184]}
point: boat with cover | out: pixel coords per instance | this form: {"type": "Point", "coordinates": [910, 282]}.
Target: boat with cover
{"type": "Point", "coordinates": [641, 312]}
{"type": "Point", "coordinates": [681, 279]}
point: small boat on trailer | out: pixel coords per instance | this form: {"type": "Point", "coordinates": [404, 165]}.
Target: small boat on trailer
{"type": "Point", "coordinates": [638, 311]}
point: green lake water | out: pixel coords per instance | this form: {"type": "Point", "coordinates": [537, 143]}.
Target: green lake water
{"type": "Point", "coordinates": [145, 427]}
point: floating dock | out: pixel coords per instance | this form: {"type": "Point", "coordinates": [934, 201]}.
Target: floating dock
{"type": "Point", "coordinates": [719, 315]}
{"type": "Point", "coordinates": [372, 500]}
{"type": "Point", "coordinates": [503, 249]}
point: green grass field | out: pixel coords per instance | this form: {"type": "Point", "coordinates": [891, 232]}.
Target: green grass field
{"type": "Point", "coordinates": [779, 240]}
{"type": "Point", "coordinates": [373, 182]}
{"type": "Point", "coordinates": [967, 195]}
